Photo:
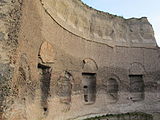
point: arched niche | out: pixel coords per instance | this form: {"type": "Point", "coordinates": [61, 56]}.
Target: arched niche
{"type": "Point", "coordinates": [136, 75]}
{"type": "Point", "coordinates": [47, 52]}
{"type": "Point", "coordinates": [64, 87]}
{"type": "Point", "coordinates": [89, 66]}
{"type": "Point", "coordinates": [89, 69]}
{"type": "Point", "coordinates": [112, 84]}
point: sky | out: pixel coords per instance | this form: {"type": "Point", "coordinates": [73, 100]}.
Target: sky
{"type": "Point", "coordinates": [132, 8]}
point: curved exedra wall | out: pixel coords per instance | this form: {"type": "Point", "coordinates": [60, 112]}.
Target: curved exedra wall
{"type": "Point", "coordinates": [98, 26]}
{"type": "Point", "coordinates": [62, 60]}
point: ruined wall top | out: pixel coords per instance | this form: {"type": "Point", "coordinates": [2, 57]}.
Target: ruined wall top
{"type": "Point", "coordinates": [97, 26]}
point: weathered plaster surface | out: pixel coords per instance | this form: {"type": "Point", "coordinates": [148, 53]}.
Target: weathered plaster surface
{"type": "Point", "coordinates": [98, 26]}
{"type": "Point", "coordinates": [57, 44]}
{"type": "Point", "coordinates": [10, 12]}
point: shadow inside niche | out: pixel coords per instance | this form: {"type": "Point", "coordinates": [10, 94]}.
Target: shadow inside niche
{"type": "Point", "coordinates": [89, 87]}
{"type": "Point", "coordinates": [45, 78]}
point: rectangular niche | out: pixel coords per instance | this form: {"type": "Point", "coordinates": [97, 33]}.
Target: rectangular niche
{"type": "Point", "coordinates": [89, 87]}
{"type": "Point", "coordinates": [136, 87]}
{"type": "Point", "coordinates": [45, 78]}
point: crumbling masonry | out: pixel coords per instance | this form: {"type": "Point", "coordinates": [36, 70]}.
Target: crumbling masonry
{"type": "Point", "coordinates": [62, 60]}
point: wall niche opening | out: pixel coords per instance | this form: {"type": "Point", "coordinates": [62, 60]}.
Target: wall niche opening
{"type": "Point", "coordinates": [64, 87]}
{"type": "Point", "coordinates": [136, 87]}
{"type": "Point", "coordinates": [89, 87]}
{"type": "Point", "coordinates": [112, 88]}
{"type": "Point", "coordinates": [45, 78]}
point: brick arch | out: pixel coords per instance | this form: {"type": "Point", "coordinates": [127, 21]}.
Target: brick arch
{"type": "Point", "coordinates": [136, 68]}
{"type": "Point", "coordinates": [89, 65]}
{"type": "Point", "coordinates": [47, 52]}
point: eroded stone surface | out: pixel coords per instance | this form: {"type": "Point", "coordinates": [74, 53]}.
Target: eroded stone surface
{"type": "Point", "coordinates": [99, 26]}
{"type": "Point", "coordinates": [10, 12]}
{"type": "Point", "coordinates": [59, 54]}
{"type": "Point", "coordinates": [47, 52]}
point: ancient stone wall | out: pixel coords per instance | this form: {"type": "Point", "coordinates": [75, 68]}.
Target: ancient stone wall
{"type": "Point", "coordinates": [98, 26]}
{"type": "Point", "coordinates": [10, 14]}
{"type": "Point", "coordinates": [72, 69]}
